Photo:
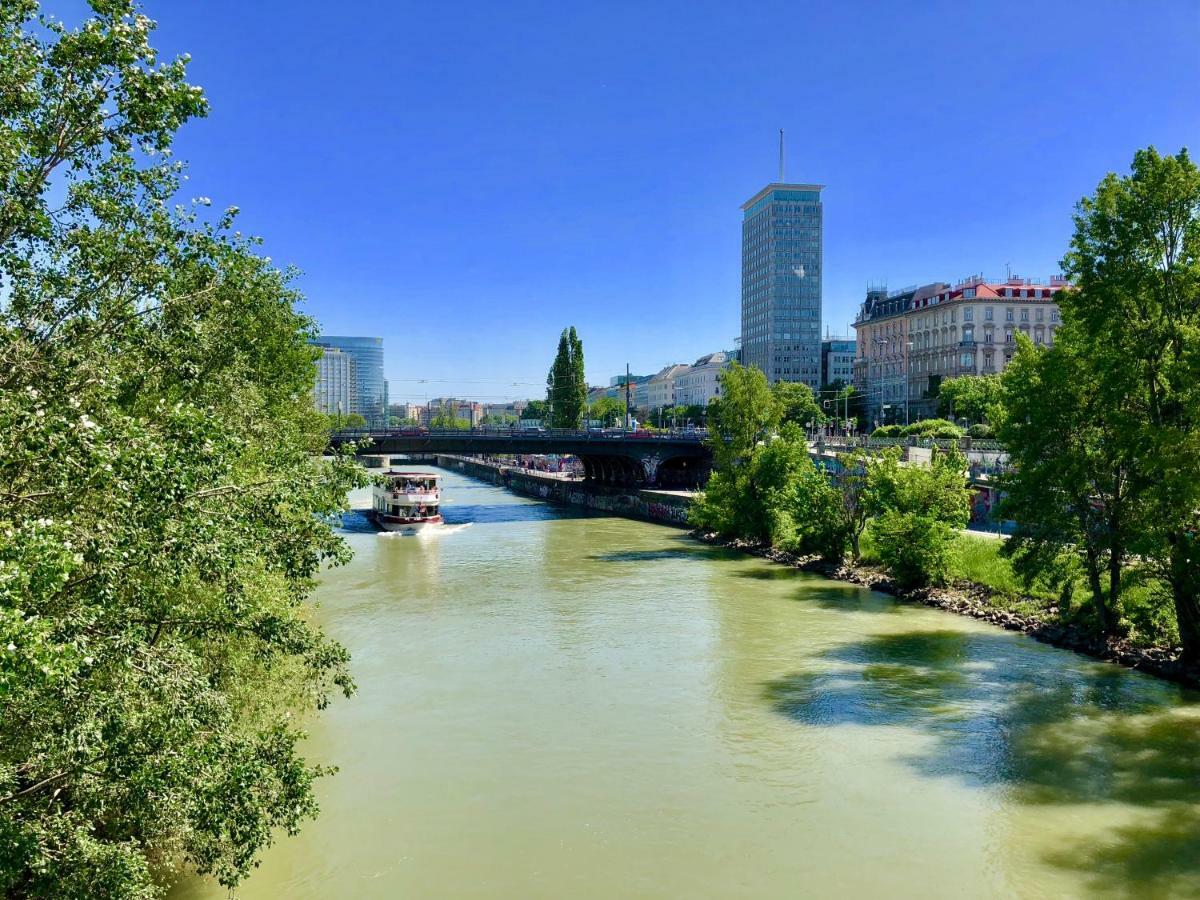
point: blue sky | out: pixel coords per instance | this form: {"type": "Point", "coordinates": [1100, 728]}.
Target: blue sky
{"type": "Point", "coordinates": [467, 179]}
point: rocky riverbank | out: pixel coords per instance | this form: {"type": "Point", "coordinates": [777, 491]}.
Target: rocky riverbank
{"type": "Point", "coordinates": [976, 601]}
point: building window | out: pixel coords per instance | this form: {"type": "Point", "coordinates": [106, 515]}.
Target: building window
{"type": "Point", "coordinates": [987, 314]}
{"type": "Point", "coordinates": [1024, 315]}
{"type": "Point", "coordinates": [968, 314]}
{"type": "Point", "coordinates": [1008, 314]}
{"type": "Point", "coordinates": [969, 293]}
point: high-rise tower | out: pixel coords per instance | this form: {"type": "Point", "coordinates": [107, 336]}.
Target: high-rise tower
{"type": "Point", "coordinates": [782, 227]}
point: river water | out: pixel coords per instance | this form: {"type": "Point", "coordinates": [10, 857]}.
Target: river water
{"type": "Point", "coordinates": [558, 706]}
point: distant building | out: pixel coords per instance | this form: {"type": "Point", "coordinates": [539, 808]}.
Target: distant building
{"type": "Point", "coordinates": [618, 380]}
{"type": "Point", "coordinates": [370, 398]}
{"type": "Point", "coordinates": [910, 340]}
{"type": "Point", "coordinates": [336, 390]}
{"type": "Point", "coordinates": [837, 360]}
{"type": "Point", "coordinates": [504, 411]}
{"type": "Point", "coordinates": [782, 228]}
{"type": "Point", "coordinates": [466, 412]}
{"type": "Point", "coordinates": [698, 383]}
{"type": "Point", "coordinates": [660, 387]}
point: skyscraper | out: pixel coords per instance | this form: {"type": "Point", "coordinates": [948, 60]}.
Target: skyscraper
{"type": "Point", "coordinates": [781, 282]}
{"type": "Point", "coordinates": [370, 400]}
{"type": "Point", "coordinates": [336, 389]}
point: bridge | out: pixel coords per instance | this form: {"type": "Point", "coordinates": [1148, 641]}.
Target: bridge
{"type": "Point", "coordinates": [617, 458]}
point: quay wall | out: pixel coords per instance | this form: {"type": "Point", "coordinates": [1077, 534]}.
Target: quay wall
{"type": "Point", "coordinates": [664, 507]}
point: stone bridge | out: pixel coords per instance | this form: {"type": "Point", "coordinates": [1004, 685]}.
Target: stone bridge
{"type": "Point", "coordinates": [618, 458]}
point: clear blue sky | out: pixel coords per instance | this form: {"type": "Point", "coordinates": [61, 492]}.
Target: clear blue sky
{"type": "Point", "coordinates": [466, 179]}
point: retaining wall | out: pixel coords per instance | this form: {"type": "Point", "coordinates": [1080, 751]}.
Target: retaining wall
{"type": "Point", "coordinates": [653, 506]}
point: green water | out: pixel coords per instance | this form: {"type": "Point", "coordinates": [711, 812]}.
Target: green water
{"type": "Point", "coordinates": [561, 707]}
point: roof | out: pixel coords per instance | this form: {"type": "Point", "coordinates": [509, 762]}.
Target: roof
{"type": "Point", "coordinates": [781, 186]}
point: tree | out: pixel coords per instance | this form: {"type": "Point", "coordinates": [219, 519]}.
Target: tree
{"type": "Point", "coordinates": [1135, 258]}
{"type": "Point", "coordinates": [797, 403]}
{"type": "Point", "coordinates": [971, 397]}
{"type": "Point", "coordinates": [566, 389]}
{"type": "Point", "coordinates": [165, 507]}
{"type": "Point", "coordinates": [536, 409]}
{"type": "Point", "coordinates": [609, 410]}
{"type": "Point", "coordinates": [1070, 483]}
{"type": "Point", "coordinates": [746, 412]}
{"type": "Point", "coordinates": [916, 511]}
{"type": "Point", "coordinates": [346, 420]}
{"type": "Point", "coordinates": [852, 478]}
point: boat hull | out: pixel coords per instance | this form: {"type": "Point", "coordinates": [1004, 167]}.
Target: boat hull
{"type": "Point", "coordinates": [406, 526]}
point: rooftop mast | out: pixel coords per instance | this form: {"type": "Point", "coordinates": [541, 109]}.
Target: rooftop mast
{"type": "Point", "coordinates": [781, 156]}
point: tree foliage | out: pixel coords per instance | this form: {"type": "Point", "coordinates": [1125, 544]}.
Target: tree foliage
{"type": "Point", "coordinates": [971, 397]}
{"type": "Point", "coordinates": [1070, 481]}
{"type": "Point", "coordinates": [916, 510]}
{"type": "Point", "coordinates": [797, 403]}
{"type": "Point", "coordinates": [746, 413]}
{"type": "Point", "coordinates": [163, 508]}
{"type": "Point", "coordinates": [1135, 256]}
{"type": "Point", "coordinates": [566, 387]}
{"type": "Point", "coordinates": [608, 410]}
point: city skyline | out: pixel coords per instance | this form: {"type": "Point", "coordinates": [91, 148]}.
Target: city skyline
{"type": "Point", "coordinates": [509, 173]}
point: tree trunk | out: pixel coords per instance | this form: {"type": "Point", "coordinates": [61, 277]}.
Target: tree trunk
{"type": "Point", "coordinates": [1112, 607]}
{"type": "Point", "coordinates": [1185, 589]}
{"type": "Point", "coordinates": [1097, 588]}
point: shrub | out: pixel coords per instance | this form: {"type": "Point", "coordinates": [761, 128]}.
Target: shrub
{"type": "Point", "coordinates": [914, 548]}
{"type": "Point", "coordinates": [887, 431]}
{"type": "Point", "coordinates": [932, 428]}
{"type": "Point", "coordinates": [980, 430]}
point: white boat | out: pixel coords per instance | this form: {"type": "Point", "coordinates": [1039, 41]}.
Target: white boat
{"type": "Point", "coordinates": [408, 502]}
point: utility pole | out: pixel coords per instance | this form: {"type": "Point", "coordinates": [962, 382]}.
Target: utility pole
{"type": "Point", "coordinates": [628, 402]}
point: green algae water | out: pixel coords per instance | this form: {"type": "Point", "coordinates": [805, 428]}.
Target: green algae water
{"type": "Point", "coordinates": [557, 706]}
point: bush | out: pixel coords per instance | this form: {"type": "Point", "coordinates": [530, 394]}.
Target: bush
{"type": "Point", "coordinates": [980, 430]}
{"type": "Point", "coordinates": [932, 428]}
{"type": "Point", "coordinates": [914, 548]}
{"type": "Point", "coordinates": [887, 431]}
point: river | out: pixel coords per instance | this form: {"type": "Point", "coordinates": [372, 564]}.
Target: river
{"type": "Point", "coordinates": [559, 706]}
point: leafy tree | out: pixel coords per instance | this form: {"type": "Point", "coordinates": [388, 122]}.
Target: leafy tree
{"type": "Point", "coordinates": [1135, 257]}
{"type": "Point", "coordinates": [1071, 479]}
{"type": "Point", "coordinates": [346, 420]}
{"type": "Point", "coordinates": [566, 389]}
{"type": "Point", "coordinates": [536, 409]}
{"type": "Point", "coordinates": [916, 511]}
{"type": "Point", "coordinates": [746, 413]}
{"type": "Point", "coordinates": [797, 403]}
{"type": "Point", "coordinates": [609, 410]}
{"type": "Point", "coordinates": [852, 479]}
{"type": "Point", "coordinates": [971, 397]}
{"type": "Point", "coordinates": [165, 507]}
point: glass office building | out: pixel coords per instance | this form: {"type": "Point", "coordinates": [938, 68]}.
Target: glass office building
{"type": "Point", "coordinates": [370, 390]}
{"type": "Point", "coordinates": [782, 227]}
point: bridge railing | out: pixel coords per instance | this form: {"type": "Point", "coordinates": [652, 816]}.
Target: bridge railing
{"type": "Point", "coordinates": [504, 434]}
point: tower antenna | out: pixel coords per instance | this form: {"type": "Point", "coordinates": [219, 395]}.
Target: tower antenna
{"type": "Point", "coordinates": [780, 155]}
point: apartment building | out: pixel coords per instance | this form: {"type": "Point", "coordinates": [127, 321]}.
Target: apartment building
{"type": "Point", "coordinates": [910, 340]}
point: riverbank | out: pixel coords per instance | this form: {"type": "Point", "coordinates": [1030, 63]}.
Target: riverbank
{"type": "Point", "coordinates": [648, 505]}
{"type": "Point", "coordinates": [978, 602]}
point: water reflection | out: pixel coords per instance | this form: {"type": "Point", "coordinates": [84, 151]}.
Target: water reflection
{"type": "Point", "coordinates": [1091, 735]}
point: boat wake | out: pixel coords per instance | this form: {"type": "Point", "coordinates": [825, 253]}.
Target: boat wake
{"type": "Point", "coordinates": [436, 531]}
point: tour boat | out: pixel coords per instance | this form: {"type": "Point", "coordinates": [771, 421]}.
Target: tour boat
{"type": "Point", "coordinates": [408, 502]}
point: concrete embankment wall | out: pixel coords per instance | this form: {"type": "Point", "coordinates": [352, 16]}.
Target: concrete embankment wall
{"type": "Point", "coordinates": [666, 507]}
